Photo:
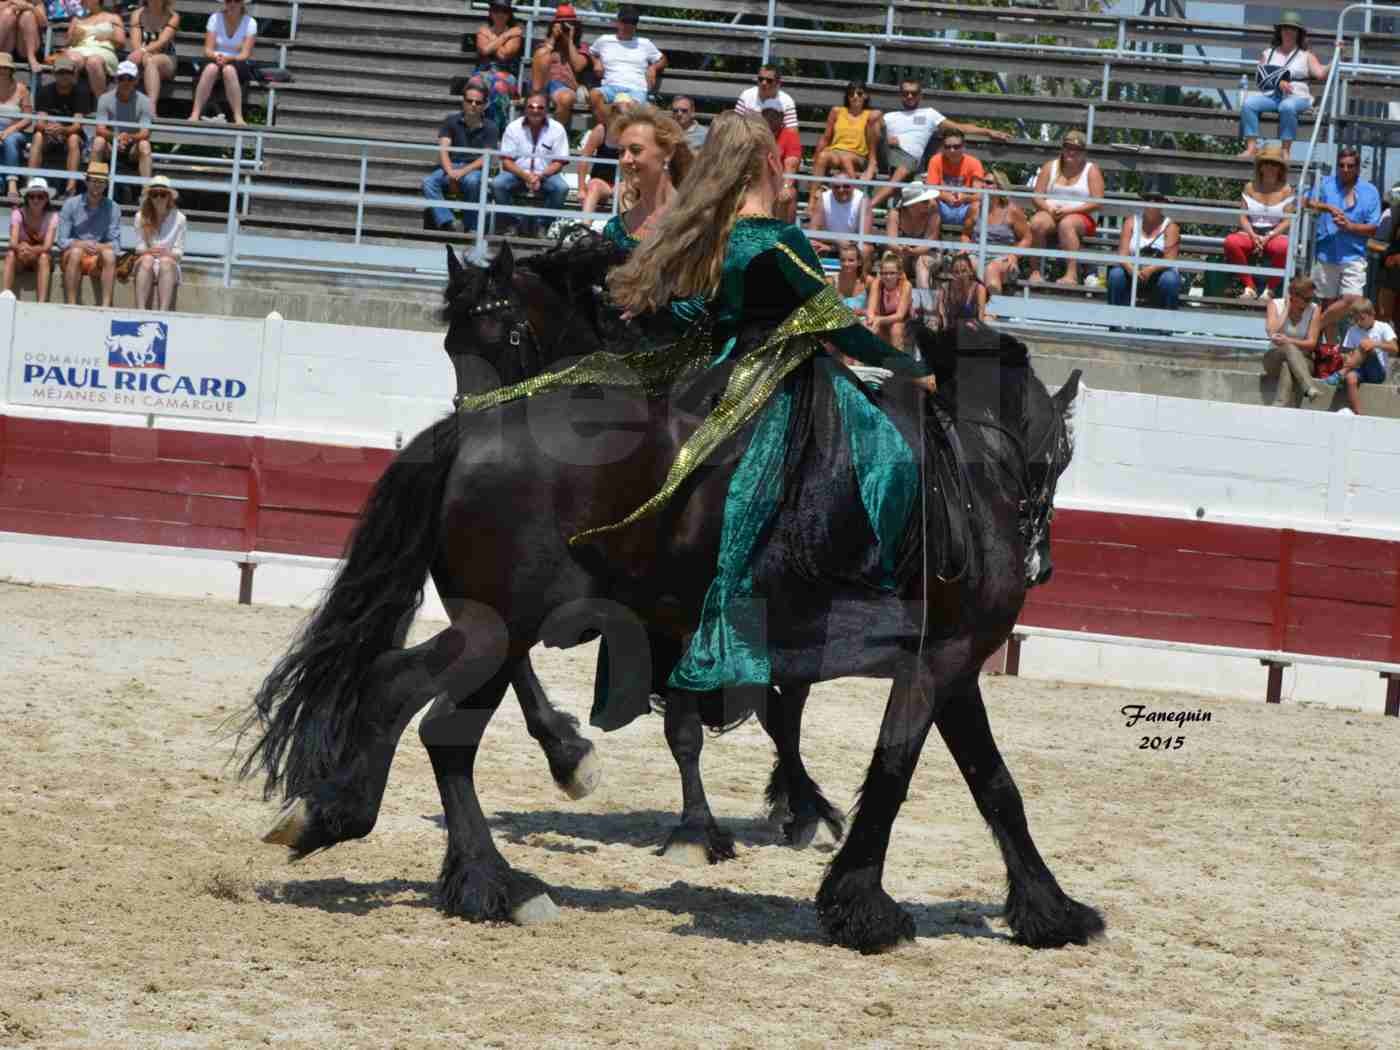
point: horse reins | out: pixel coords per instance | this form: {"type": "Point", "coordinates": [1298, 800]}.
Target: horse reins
{"type": "Point", "coordinates": [522, 334]}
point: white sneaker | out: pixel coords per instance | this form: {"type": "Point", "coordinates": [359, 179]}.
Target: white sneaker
{"type": "Point", "coordinates": [1266, 296]}
{"type": "Point", "coordinates": [1249, 293]}
{"type": "Point", "coordinates": [1093, 281]}
{"type": "Point", "coordinates": [1345, 412]}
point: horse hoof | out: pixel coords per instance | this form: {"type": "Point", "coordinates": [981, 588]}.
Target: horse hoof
{"type": "Point", "coordinates": [800, 836]}
{"type": "Point", "coordinates": [687, 854]}
{"type": "Point", "coordinates": [587, 775]}
{"type": "Point", "coordinates": [290, 825]}
{"type": "Point", "coordinates": [536, 911]}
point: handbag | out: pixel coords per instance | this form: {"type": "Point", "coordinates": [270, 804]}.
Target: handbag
{"type": "Point", "coordinates": [1271, 79]}
{"type": "Point", "coordinates": [126, 265]}
{"type": "Point", "coordinates": [1327, 358]}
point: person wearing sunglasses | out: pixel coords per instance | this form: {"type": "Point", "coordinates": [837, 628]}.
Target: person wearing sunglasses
{"type": "Point", "coordinates": [683, 110]}
{"type": "Point", "coordinates": [767, 88]}
{"type": "Point", "coordinates": [848, 143]}
{"type": "Point", "coordinates": [1063, 211]}
{"type": "Point", "coordinates": [459, 172]}
{"type": "Point", "coordinates": [160, 240]}
{"type": "Point", "coordinates": [534, 150]}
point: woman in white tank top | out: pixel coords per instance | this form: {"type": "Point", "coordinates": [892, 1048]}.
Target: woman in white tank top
{"type": "Point", "coordinates": [1290, 96]}
{"type": "Point", "coordinates": [1268, 213]}
{"type": "Point", "coordinates": [1150, 236]}
{"type": "Point", "coordinates": [1062, 211]}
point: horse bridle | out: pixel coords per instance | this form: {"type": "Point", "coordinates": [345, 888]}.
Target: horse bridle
{"type": "Point", "coordinates": [520, 331]}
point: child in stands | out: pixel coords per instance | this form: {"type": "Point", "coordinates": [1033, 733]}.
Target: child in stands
{"type": "Point", "coordinates": [1365, 353]}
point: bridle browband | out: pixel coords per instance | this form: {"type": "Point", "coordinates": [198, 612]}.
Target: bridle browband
{"type": "Point", "coordinates": [520, 330]}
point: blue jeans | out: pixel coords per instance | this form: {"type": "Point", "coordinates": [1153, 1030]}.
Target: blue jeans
{"type": "Point", "coordinates": [1163, 289]}
{"type": "Point", "coordinates": [1287, 109]}
{"type": "Point", "coordinates": [553, 191]}
{"type": "Point", "coordinates": [435, 188]}
{"type": "Point", "coordinates": [12, 152]}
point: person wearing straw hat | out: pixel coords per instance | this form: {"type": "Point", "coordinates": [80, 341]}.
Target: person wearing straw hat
{"type": "Point", "coordinates": [160, 240]}
{"type": "Point", "coordinates": [89, 237]}
{"type": "Point", "coordinates": [1268, 213]}
{"type": "Point", "coordinates": [32, 230]}
{"type": "Point", "coordinates": [15, 123]}
{"type": "Point", "coordinates": [914, 215]}
{"type": "Point", "coordinates": [1285, 67]}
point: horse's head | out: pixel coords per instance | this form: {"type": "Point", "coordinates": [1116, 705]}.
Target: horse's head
{"type": "Point", "coordinates": [985, 378]}
{"type": "Point", "coordinates": [489, 335]}
{"type": "Point", "coordinates": [150, 330]}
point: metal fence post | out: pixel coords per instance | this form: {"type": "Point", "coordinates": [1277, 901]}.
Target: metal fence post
{"type": "Point", "coordinates": [481, 198]}
{"type": "Point", "coordinates": [296, 20]}
{"type": "Point", "coordinates": [984, 205]}
{"type": "Point", "coordinates": [1137, 261]}
{"type": "Point", "coordinates": [1089, 124]}
{"type": "Point", "coordinates": [231, 233]}
{"type": "Point", "coordinates": [360, 203]}
{"type": "Point", "coordinates": [768, 32]}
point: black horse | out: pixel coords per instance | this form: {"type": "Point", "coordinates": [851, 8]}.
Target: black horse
{"type": "Point", "coordinates": [534, 317]}
{"type": "Point", "coordinates": [487, 502]}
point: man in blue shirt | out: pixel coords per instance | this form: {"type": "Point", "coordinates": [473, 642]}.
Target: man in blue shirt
{"type": "Point", "coordinates": [469, 129]}
{"type": "Point", "coordinates": [1348, 209]}
{"type": "Point", "coordinates": [89, 236]}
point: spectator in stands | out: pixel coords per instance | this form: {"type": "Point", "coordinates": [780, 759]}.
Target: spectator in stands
{"type": "Point", "coordinates": [908, 131]}
{"type": "Point", "coordinates": [124, 105]}
{"type": "Point", "coordinates": [1293, 324]}
{"type": "Point", "coordinates": [1006, 227]}
{"type": "Point", "coordinates": [153, 28]}
{"type": "Point", "coordinates": [229, 38]}
{"type": "Point", "coordinates": [849, 281]}
{"type": "Point", "coordinates": [1386, 245]}
{"type": "Point", "coordinates": [849, 141]}
{"type": "Point", "coordinates": [789, 152]}
{"type": "Point", "coordinates": [1062, 210]}
{"type": "Point", "coordinates": [1349, 209]}
{"type": "Point", "coordinates": [58, 102]}
{"type": "Point", "coordinates": [93, 41]}
{"type": "Point", "coordinates": [600, 180]}
{"type": "Point", "coordinates": [962, 299]}
{"type": "Point", "coordinates": [32, 231]}
{"type": "Point", "coordinates": [458, 171]}
{"type": "Point", "coordinates": [160, 240]}
{"type": "Point", "coordinates": [889, 301]}
{"type": "Point", "coordinates": [558, 63]}
{"type": "Point", "coordinates": [683, 109]}
{"type": "Point", "coordinates": [22, 25]}
{"type": "Point", "coordinates": [1365, 353]}
{"type": "Point", "coordinates": [916, 215]}
{"type": "Point", "coordinates": [1150, 235]}
{"type": "Point", "coordinates": [89, 237]}
{"type": "Point", "coordinates": [768, 89]}
{"type": "Point", "coordinates": [498, 44]}
{"type": "Point", "coordinates": [534, 150]}
{"type": "Point", "coordinates": [841, 209]}
{"type": "Point", "coordinates": [624, 63]}
{"type": "Point", "coordinates": [1268, 207]}
{"type": "Point", "coordinates": [1282, 79]}
{"type": "Point", "coordinates": [954, 166]}
{"type": "Point", "coordinates": [654, 161]}
{"type": "Point", "coordinates": [16, 125]}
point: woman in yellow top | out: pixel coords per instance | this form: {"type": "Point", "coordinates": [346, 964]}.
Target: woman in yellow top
{"type": "Point", "coordinates": [849, 139]}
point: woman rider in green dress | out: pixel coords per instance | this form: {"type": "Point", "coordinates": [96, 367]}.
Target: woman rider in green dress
{"type": "Point", "coordinates": [717, 260]}
{"type": "Point", "coordinates": [653, 158]}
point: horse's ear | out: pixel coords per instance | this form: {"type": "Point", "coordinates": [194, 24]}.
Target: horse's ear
{"type": "Point", "coordinates": [504, 265]}
{"type": "Point", "coordinates": [1064, 397]}
{"type": "Point", "coordinates": [454, 266]}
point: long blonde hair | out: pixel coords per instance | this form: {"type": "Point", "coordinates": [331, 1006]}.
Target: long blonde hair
{"type": "Point", "coordinates": [685, 255]}
{"type": "Point", "coordinates": [669, 136]}
{"type": "Point", "coordinates": [150, 222]}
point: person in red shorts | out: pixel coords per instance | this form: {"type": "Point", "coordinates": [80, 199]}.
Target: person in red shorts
{"type": "Point", "coordinates": [1061, 209]}
{"type": "Point", "coordinates": [790, 150]}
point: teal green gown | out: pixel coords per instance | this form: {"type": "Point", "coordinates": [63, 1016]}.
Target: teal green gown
{"type": "Point", "coordinates": [771, 277]}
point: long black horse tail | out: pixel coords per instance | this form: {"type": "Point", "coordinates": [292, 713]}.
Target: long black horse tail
{"type": "Point", "coordinates": [307, 705]}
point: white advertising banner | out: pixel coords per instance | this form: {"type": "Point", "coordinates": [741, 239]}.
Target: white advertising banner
{"type": "Point", "coordinates": [120, 361]}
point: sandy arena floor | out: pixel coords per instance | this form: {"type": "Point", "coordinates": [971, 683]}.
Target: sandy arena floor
{"type": "Point", "coordinates": [1248, 878]}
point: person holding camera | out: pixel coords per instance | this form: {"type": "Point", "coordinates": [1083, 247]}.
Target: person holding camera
{"type": "Point", "coordinates": [1149, 236]}
{"type": "Point", "coordinates": [559, 62]}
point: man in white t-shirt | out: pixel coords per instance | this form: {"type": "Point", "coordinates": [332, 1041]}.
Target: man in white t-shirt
{"type": "Point", "coordinates": [769, 87]}
{"type": "Point", "coordinates": [907, 131]}
{"type": "Point", "coordinates": [534, 150]}
{"type": "Point", "coordinates": [1365, 353]}
{"type": "Point", "coordinates": [841, 208]}
{"type": "Point", "coordinates": [625, 64]}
